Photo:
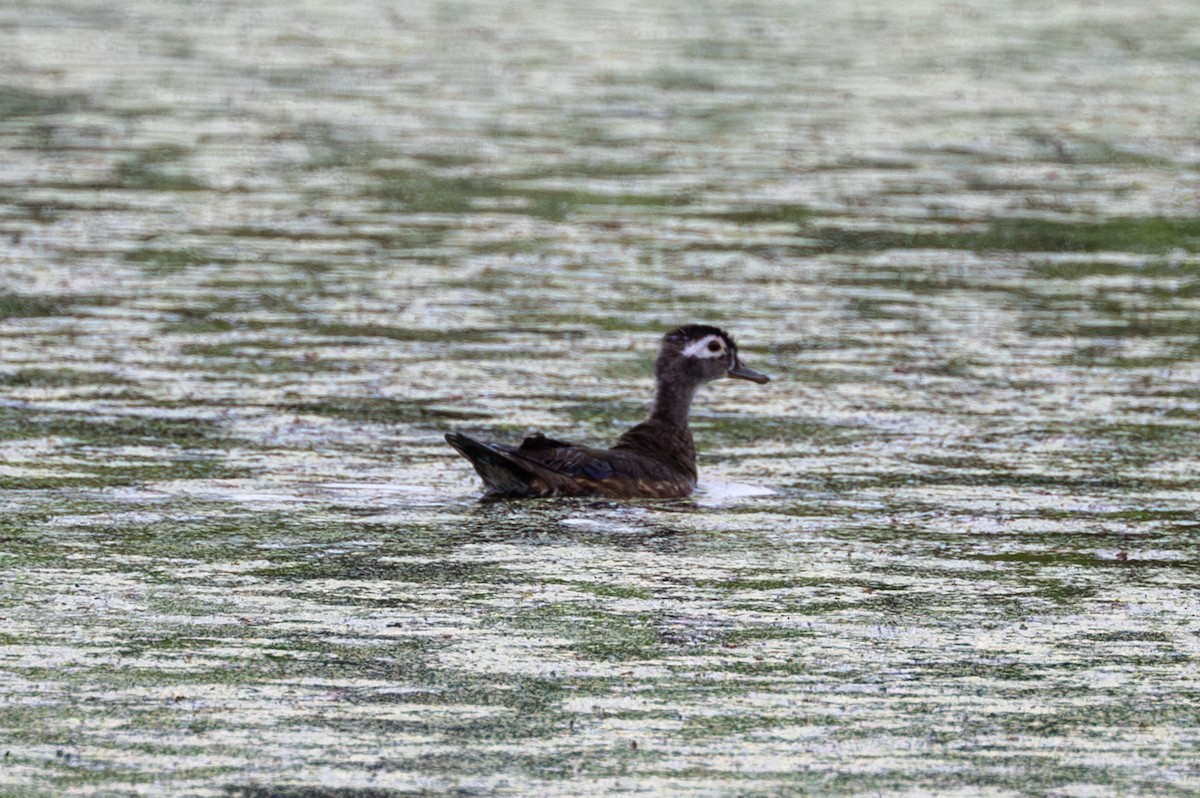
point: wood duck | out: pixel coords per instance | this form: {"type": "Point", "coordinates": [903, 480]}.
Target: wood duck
{"type": "Point", "coordinates": [655, 459]}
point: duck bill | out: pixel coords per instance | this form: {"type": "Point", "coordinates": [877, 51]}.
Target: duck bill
{"type": "Point", "coordinates": [744, 373]}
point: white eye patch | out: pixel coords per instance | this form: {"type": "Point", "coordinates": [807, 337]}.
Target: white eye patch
{"type": "Point", "coordinates": [704, 347]}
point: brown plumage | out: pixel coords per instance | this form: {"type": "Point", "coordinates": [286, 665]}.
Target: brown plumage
{"type": "Point", "coordinates": [655, 459]}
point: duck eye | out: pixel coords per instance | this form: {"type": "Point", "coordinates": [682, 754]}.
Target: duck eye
{"type": "Point", "coordinates": [714, 346]}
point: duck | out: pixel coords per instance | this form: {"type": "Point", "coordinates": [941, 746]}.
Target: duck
{"type": "Point", "coordinates": [655, 459]}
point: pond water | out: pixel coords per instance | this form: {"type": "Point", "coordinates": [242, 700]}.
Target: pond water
{"type": "Point", "coordinates": [259, 257]}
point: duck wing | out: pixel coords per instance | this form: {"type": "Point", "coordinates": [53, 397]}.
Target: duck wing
{"type": "Point", "coordinates": [542, 466]}
{"type": "Point", "coordinates": [616, 472]}
{"type": "Point", "coordinates": [566, 458]}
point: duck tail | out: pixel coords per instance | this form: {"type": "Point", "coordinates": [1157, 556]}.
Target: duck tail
{"type": "Point", "coordinates": [500, 471]}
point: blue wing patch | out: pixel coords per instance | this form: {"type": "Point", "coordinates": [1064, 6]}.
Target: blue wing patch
{"type": "Point", "coordinates": [597, 469]}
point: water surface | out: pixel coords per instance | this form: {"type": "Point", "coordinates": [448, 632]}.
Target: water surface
{"type": "Point", "coordinates": [258, 258]}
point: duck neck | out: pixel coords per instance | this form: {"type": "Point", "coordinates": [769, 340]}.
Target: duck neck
{"type": "Point", "coordinates": [672, 403]}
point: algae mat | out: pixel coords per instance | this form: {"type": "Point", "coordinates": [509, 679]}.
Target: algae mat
{"type": "Point", "coordinates": [258, 257]}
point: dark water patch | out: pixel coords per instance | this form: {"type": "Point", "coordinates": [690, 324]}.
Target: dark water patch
{"type": "Point", "coordinates": [835, 374]}
{"type": "Point", "coordinates": [620, 638]}
{"type": "Point", "coordinates": [856, 163]}
{"type": "Point", "coordinates": [162, 261]}
{"type": "Point", "coordinates": [786, 668]}
{"type": "Point", "coordinates": [384, 410]}
{"type": "Point", "coordinates": [330, 147]}
{"type": "Point", "coordinates": [18, 102]}
{"type": "Point", "coordinates": [311, 791]}
{"type": "Point", "coordinates": [25, 306]}
{"type": "Point", "coordinates": [1147, 268]}
{"type": "Point", "coordinates": [447, 159]}
{"type": "Point", "coordinates": [255, 358]}
{"type": "Point", "coordinates": [720, 49]}
{"type": "Point", "coordinates": [776, 581]}
{"type": "Point", "coordinates": [95, 429]}
{"type": "Point", "coordinates": [59, 378]}
{"type": "Point", "coordinates": [404, 662]}
{"type": "Point", "coordinates": [32, 422]}
{"type": "Point", "coordinates": [186, 641]}
{"type": "Point", "coordinates": [430, 192]}
{"type": "Point", "coordinates": [798, 215]}
{"type": "Point", "coordinates": [479, 354]}
{"type": "Point", "coordinates": [398, 239]}
{"type": "Point", "coordinates": [593, 632]}
{"type": "Point", "coordinates": [228, 317]}
{"type": "Point", "coordinates": [1130, 323]}
{"type": "Point", "coordinates": [41, 209]}
{"type": "Point", "coordinates": [728, 430]}
{"type": "Point", "coordinates": [1106, 356]}
{"type": "Point", "coordinates": [1128, 637]}
{"type": "Point", "coordinates": [22, 537]}
{"type": "Point", "coordinates": [515, 726]}
{"type": "Point", "coordinates": [1071, 559]}
{"type": "Point", "coordinates": [557, 204]}
{"type": "Point", "coordinates": [501, 131]}
{"type": "Point", "coordinates": [681, 80]}
{"type": "Point", "coordinates": [596, 169]}
{"type": "Point", "coordinates": [112, 476]}
{"type": "Point", "coordinates": [575, 325]}
{"type": "Point", "coordinates": [908, 310]}
{"type": "Point", "coordinates": [1101, 720]}
{"type": "Point", "coordinates": [615, 591]}
{"type": "Point", "coordinates": [1143, 235]}
{"type": "Point", "coordinates": [157, 169]}
{"type": "Point", "coordinates": [1102, 482]}
{"type": "Point", "coordinates": [749, 635]}
{"type": "Point", "coordinates": [1134, 515]}
{"type": "Point", "coordinates": [952, 461]}
{"type": "Point", "coordinates": [244, 310]}
{"type": "Point", "coordinates": [26, 210]}
{"type": "Point", "coordinates": [198, 321]}
{"type": "Point", "coordinates": [1057, 148]}
{"type": "Point", "coordinates": [283, 300]}
{"type": "Point", "coordinates": [524, 245]}
{"type": "Point", "coordinates": [562, 764]}
{"type": "Point", "coordinates": [922, 283]}
{"type": "Point", "coordinates": [959, 368]}
{"type": "Point", "coordinates": [194, 467]}
{"type": "Point", "coordinates": [202, 532]}
{"type": "Point", "coordinates": [316, 791]}
{"type": "Point", "coordinates": [798, 247]}
{"type": "Point", "coordinates": [737, 724]}
{"type": "Point", "coordinates": [603, 413]}
{"type": "Point", "coordinates": [322, 564]}
{"type": "Point", "coordinates": [1135, 445]}
{"type": "Point", "coordinates": [350, 333]}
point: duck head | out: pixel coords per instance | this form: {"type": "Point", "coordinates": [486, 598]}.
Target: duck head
{"type": "Point", "coordinates": [698, 353]}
